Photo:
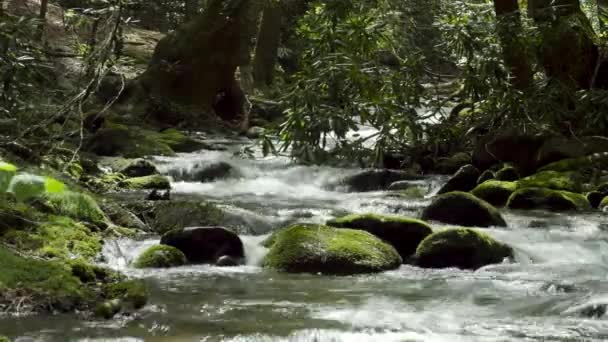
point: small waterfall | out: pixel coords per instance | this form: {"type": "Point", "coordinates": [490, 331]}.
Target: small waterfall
{"type": "Point", "coordinates": [254, 251]}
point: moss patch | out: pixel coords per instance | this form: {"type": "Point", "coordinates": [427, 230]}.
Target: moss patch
{"type": "Point", "coordinates": [570, 164]}
{"type": "Point", "coordinates": [568, 181]}
{"type": "Point", "coordinates": [463, 248]}
{"type": "Point", "coordinates": [604, 204]}
{"type": "Point", "coordinates": [463, 209]}
{"type": "Point", "coordinates": [538, 198]}
{"type": "Point", "coordinates": [160, 256]}
{"type": "Point", "coordinates": [321, 249]}
{"type": "Point", "coordinates": [146, 183]}
{"type": "Point", "coordinates": [403, 233]}
{"type": "Point", "coordinates": [76, 205]}
{"type": "Point", "coordinates": [132, 293]}
{"type": "Point", "coordinates": [495, 192]}
{"type": "Point", "coordinates": [507, 174]}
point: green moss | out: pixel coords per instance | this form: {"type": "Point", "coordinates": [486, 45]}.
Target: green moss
{"type": "Point", "coordinates": [403, 233]}
{"type": "Point", "coordinates": [315, 248]}
{"type": "Point", "coordinates": [7, 172]}
{"type": "Point", "coordinates": [485, 176]}
{"type": "Point", "coordinates": [508, 174]}
{"type": "Point", "coordinates": [495, 192]}
{"type": "Point", "coordinates": [538, 198]}
{"type": "Point", "coordinates": [78, 206]}
{"type": "Point", "coordinates": [463, 209]}
{"type": "Point", "coordinates": [89, 273]}
{"type": "Point", "coordinates": [178, 141]}
{"type": "Point", "coordinates": [132, 293]}
{"type": "Point", "coordinates": [50, 280]}
{"type": "Point", "coordinates": [570, 164]}
{"type": "Point", "coordinates": [108, 309]}
{"type": "Point", "coordinates": [63, 238]}
{"type": "Point", "coordinates": [147, 182]}
{"type": "Point", "coordinates": [568, 181]}
{"type": "Point", "coordinates": [160, 256]}
{"type": "Point", "coordinates": [4, 339]}
{"type": "Point", "coordinates": [127, 141]}
{"type": "Point", "coordinates": [604, 204]}
{"type": "Point", "coordinates": [463, 248]}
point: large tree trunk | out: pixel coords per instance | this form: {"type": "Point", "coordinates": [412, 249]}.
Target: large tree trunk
{"type": "Point", "coordinates": [510, 35]}
{"type": "Point", "coordinates": [245, 65]}
{"type": "Point", "coordinates": [268, 42]}
{"type": "Point", "coordinates": [568, 52]}
{"type": "Point", "coordinates": [194, 67]}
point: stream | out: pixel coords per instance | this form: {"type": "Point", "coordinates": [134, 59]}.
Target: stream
{"type": "Point", "coordinates": [561, 270]}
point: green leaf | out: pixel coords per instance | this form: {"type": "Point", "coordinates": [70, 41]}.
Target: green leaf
{"type": "Point", "coordinates": [52, 185]}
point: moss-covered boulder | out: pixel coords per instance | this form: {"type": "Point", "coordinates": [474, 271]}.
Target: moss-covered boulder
{"type": "Point", "coordinates": [568, 165]}
{"type": "Point", "coordinates": [138, 168]}
{"type": "Point", "coordinates": [465, 179]}
{"type": "Point", "coordinates": [326, 250]}
{"type": "Point", "coordinates": [463, 209]}
{"type": "Point", "coordinates": [205, 245]}
{"type": "Point", "coordinates": [160, 256]}
{"type": "Point", "coordinates": [403, 233]}
{"type": "Point", "coordinates": [132, 293]}
{"type": "Point", "coordinates": [485, 176]}
{"type": "Point", "coordinates": [567, 181]}
{"type": "Point", "coordinates": [78, 206]}
{"type": "Point", "coordinates": [495, 192]}
{"type": "Point", "coordinates": [123, 217]}
{"type": "Point", "coordinates": [507, 174]}
{"type": "Point", "coordinates": [462, 248]}
{"type": "Point", "coordinates": [604, 204]}
{"type": "Point", "coordinates": [157, 182]}
{"type": "Point", "coordinates": [555, 200]}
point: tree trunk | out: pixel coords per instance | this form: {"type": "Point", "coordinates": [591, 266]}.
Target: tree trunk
{"type": "Point", "coordinates": [194, 67]}
{"type": "Point", "coordinates": [268, 42]}
{"type": "Point", "coordinates": [44, 4]}
{"type": "Point", "coordinates": [245, 66]}
{"type": "Point", "coordinates": [568, 51]}
{"type": "Point", "coordinates": [510, 34]}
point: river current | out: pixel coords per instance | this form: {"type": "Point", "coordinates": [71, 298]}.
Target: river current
{"type": "Point", "coordinates": [556, 290]}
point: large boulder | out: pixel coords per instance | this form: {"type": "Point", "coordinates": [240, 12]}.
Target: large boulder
{"type": "Point", "coordinates": [462, 248]}
{"type": "Point", "coordinates": [555, 200]}
{"type": "Point", "coordinates": [157, 182]}
{"type": "Point", "coordinates": [330, 251]}
{"type": "Point", "coordinates": [495, 192]}
{"type": "Point", "coordinates": [205, 245]}
{"type": "Point", "coordinates": [371, 180]}
{"type": "Point", "coordinates": [465, 179]}
{"type": "Point", "coordinates": [558, 148]}
{"type": "Point", "coordinates": [568, 181]}
{"type": "Point", "coordinates": [595, 198]}
{"type": "Point", "coordinates": [485, 176]}
{"type": "Point", "coordinates": [138, 168]}
{"type": "Point", "coordinates": [160, 256]}
{"type": "Point", "coordinates": [208, 172]}
{"type": "Point", "coordinates": [507, 174]}
{"type": "Point", "coordinates": [463, 209]}
{"type": "Point", "coordinates": [403, 233]}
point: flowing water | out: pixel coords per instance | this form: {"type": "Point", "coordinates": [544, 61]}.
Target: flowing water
{"type": "Point", "coordinates": [550, 293]}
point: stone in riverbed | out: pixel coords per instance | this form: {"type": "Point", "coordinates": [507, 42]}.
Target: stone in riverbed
{"type": "Point", "coordinates": [146, 183]}
{"type": "Point", "coordinates": [485, 176]}
{"type": "Point", "coordinates": [507, 174]}
{"type": "Point", "coordinates": [539, 198]}
{"type": "Point", "coordinates": [226, 261]}
{"type": "Point", "coordinates": [595, 198]}
{"type": "Point", "coordinates": [403, 233]}
{"type": "Point", "coordinates": [463, 248]}
{"type": "Point", "coordinates": [495, 192]}
{"type": "Point", "coordinates": [138, 168]}
{"type": "Point", "coordinates": [205, 245]}
{"type": "Point", "coordinates": [330, 251]}
{"type": "Point", "coordinates": [465, 179]}
{"type": "Point", "coordinates": [463, 209]}
{"type": "Point", "coordinates": [449, 166]}
{"type": "Point", "coordinates": [568, 181]}
{"type": "Point", "coordinates": [604, 204]}
{"type": "Point", "coordinates": [160, 256]}
{"type": "Point", "coordinates": [371, 180]}
{"type": "Point", "coordinates": [205, 173]}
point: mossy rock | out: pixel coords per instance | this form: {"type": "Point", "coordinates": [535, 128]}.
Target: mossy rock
{"type": "Point", "coordinates": [108, 309]}
{"type": "Point", "coordinates": [174, 215]}
{"type": "Point", "coordinates": [463, 209]}
{"type": "Point", "coordinates": [485, 176]}
{"type": "Point", "coordinates": [132, 293]}
{"type": "Point", "coordinates": [449, 166]}
{"type": "Point", "coordinates": [604, 204]}
{"type": "Point", "coordinates": [137, 168]}
{"type": "Point", "coordinates": [4, 339]}
{"type": "Point", "coordinates": [403, 233]}
{"type": "Point", "coordinates": [463, 248]}
{"type": "Point", "coordinates": [126, 141]}
{"type": "Point", "coordinates": [89, 273]}
{"type": "Point", "coordinates": [123, 217]}
{"type": "Point", "coordinates": [569, 164]}
{"type": "Point", "coordinates": [178, 141]}
{"type": "Point", "coordinates": [567, 181]}
{"type": "Point", "coordinates": [205, 245]}
{"type": "Point", "coordinates": [330, 251]}
{"type": "Point", "coordinates": [465, 179]}
{"type": "Point", "coordinates": [495, 192]}
{"type": "Point", "coordinates": [603, 188]}
{"type": "Point", "coordinates": [555, 200]}
{"type": "Point", "coordinates": [157, 182]}
{"type": "Point", "coordinates": [78, 206]}
{"type": "Point", "coordinates": [595, 198]}
{"type": "Point", "coordinates": [376, 179]}
{"type": "Point", "coordinates": [62, 237]}
{"type": "Point", "coordinates": [160, 256]}
{"type": "Point", "coordinates": [507, 174]}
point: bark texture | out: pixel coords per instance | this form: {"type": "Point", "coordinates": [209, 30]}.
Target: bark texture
{"type": "Point", "coordinates": [268, 42]}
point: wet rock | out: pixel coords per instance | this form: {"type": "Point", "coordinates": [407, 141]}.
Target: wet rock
{"type": "Point", "coordinates": [462, 248]}
{"type": "Point", "coordinates": [226, 261]}
{"type": "Point", "coordinates": [485, 176]}
{"type": "Point", "coordinates": [205, 245]}
{"type": "Point", "coordinates": [495, 192]}
{"type": "Point", "coordinates": [464, 180]}
{"type": "Point", "coordinates": [330, 251]}
{"type": "Point", "coordinates": [108, 309]}
{"type": "Point", "coordinates": [595, 198]}
{"type": "Point", "coordinates": [603, 189]}
{"type": "Point", "coordinates": [207, 172]}
{"type": "Point", "coordinates": [255, 132]}
{"type": "Point", "coordinates": [404, 185]}
{"type": "Point", "coordinates": [371, 180]}
{"type": "Point", "coordinates": [138, 168]}
{"type": "Point", "coordinates": [123, 217]}
{"type": "Point", "coordinates": [156, 195]}
{"type": "Point", "coordinates": [452, 164]}
{"type": "Point", "coordinates": [554, 200]}
{"type": "Point", "coordinates": [507, 174]}
{"type": "Point", "coordinates": [146, 183]}
{"type": "Point", "coordinates": [558, 148]}
{"type": "Point", "coordinates": [568, 181]}
{"type": "Point", "coordinates": [160, 256]}
{"type": "Point", "coordinates": [403, 233]}
{"type": "Point", "coordinates": [171, 215]}
{"type": "Point", "coordinates": [463, 209]}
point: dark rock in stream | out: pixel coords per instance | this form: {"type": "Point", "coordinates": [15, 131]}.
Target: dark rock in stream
{"type": "Point", "coordinates": [463, 209]}
{"type": "Point", "coordinates": [207, 173]}
{"type": "Point", "coordinates": [226, 261]}
{"type": "Point", "coordinates": [205, 245]}
{"type": "Point", "coordinates": [138, 168]}
{"type": "Point", "coordinates": [156, 195]}
{"type": "Point", "coordinates": [371, 180]}
{"type": "Point", "coordinates": [465, 179]}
